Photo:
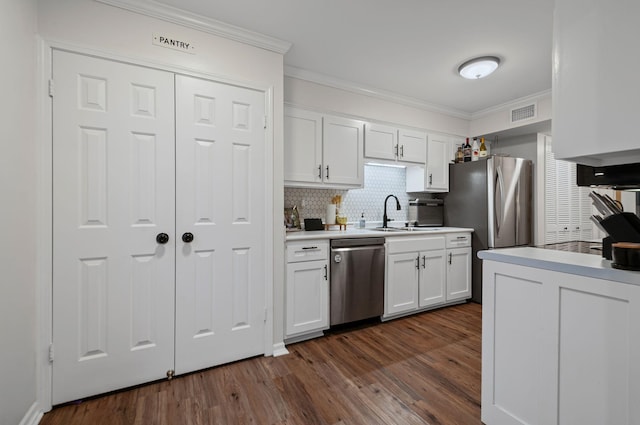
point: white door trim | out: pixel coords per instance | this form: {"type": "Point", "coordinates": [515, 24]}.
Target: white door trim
{"type": "Point", "coordinates": [45, 199]}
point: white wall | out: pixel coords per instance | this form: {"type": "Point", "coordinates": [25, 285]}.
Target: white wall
{"type": "Point", "coordinates": [320, 97]}
{"type": "Point", "coordinates": [98, 27]}
{"type": "Point", "coordinates": [498, 118]}
{"type": "Point", "coordinates": [17, 213]}
{"type": "Point", "coordinates": [524, 146]}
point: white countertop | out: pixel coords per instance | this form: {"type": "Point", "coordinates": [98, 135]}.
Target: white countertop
{"type": "Point", "coordinates": [561, 261]}
{"type": "Point", "coordinates": [369, 233]}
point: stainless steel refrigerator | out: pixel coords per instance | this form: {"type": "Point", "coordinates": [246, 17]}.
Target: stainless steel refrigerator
{"type": "Point", "coordinates": [493, 196]}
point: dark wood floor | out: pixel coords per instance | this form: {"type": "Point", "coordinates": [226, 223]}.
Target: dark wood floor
{"type": "Point", "coordinates": [423, 369]}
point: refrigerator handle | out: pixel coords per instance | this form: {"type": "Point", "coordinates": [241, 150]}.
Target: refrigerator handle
{"type": "Point", "coordinates": [517, 207]}
{"type": "Point", "coordinates": [498, 201]}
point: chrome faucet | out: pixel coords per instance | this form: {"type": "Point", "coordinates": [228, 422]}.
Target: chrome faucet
{"type": "Point", "coordinates": [385, 220]}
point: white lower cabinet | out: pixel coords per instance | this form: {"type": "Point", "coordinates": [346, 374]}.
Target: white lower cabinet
{"type": "Point", "coordinates": [402, 294]}
{"type": "Point", "coordinates": [558, 348]}
{"type": "Point", "coordinates": [307, 288]}
{"type": "Point", "coordinates": [423, 273]}
{"type": "Point", "coordinates": [432, 277]}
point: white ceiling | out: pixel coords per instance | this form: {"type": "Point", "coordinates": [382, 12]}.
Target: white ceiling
{"type": "Point", "coordinates": [410, 48]}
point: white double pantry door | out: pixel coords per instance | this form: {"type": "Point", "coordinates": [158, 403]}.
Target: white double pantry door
{"type": "Point", "coordinates": [159, 229]}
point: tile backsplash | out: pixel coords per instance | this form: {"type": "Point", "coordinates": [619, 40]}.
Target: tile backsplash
{"type": "Point", "coordinates": [379, 181]}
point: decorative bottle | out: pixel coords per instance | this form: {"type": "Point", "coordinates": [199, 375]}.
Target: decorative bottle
{"type": "Point", "coordinates": [467, 151]}
{"type": "Point", "coordinates": [475, 150]}
{"type": "Point", "coordinates": [483, 148]}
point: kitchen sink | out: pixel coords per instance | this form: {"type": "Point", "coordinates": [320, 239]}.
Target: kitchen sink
{"type": "Point", "coordinates": [389, 229]}
{"type": "Point", "coordinates": [406, 229]}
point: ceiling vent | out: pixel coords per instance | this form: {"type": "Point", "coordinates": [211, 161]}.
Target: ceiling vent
{"type": "Point", "coordinates": [523, 113]}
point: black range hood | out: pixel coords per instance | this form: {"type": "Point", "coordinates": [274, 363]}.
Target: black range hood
{"type": "Point", "coordinates": [618, 177]}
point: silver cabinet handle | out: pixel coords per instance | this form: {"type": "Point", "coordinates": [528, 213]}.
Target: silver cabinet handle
{"type": "Point", "coordinates": [402, 151]}
{"type": "Point", "coordinates": [320, 171]}
{"type": "Point", "coordinates": [430, 179]}
{"type": "Point", "coordinates": [418, 262]}
{"type": "Point", "coordinates": [327, 172]}
{"type": "Point", "coordinates": [397, 150]}
{"type": "Point", "coordinates": [309, 247]}
{"type": "Point", "coordinates": [424, 261]}
{"type": "Point", "coordinates": [450, 257]}
{"type": "Point", "coordinates": [325, 272]}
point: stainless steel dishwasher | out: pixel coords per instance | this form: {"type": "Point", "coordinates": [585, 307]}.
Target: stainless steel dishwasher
{"type": "Point", "coordinates": [357, 279]}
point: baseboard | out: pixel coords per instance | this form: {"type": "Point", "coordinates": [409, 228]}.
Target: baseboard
{"type": "Point", "coordinates": [279, 349]}
{"type": "Point", "coordinates": [33, 415]}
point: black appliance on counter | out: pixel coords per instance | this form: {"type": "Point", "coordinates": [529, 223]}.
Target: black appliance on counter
{"type": "Point", "coordinates": [618, 177]}
{"type": "Point", "coordinates": [426, 212]}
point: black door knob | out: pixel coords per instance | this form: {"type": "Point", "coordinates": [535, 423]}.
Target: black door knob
{"type": "Point", "coordinates": [187, 237]}
{"type": "Point", "coordinates": [162, 238]}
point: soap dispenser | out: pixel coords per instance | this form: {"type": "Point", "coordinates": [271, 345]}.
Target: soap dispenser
{"type": "Point", "coordinates": [362, 222]}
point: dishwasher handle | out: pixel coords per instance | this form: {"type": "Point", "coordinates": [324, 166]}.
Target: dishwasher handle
{"type": "Point", "coordinates": [357, 248]}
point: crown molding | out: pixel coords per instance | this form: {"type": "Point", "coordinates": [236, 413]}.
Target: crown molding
{"type": "Point", "coordinates": [511, 104]}
{"type": "Point", "coordinates": [303, 74]}
{"type": "Point", "coordinates": [174, 15]}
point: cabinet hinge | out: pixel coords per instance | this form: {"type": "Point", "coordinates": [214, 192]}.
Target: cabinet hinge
{"type": "Point", "coordinates": [50, 353]}
{"type": "Point", "coordinates": [51, 88]}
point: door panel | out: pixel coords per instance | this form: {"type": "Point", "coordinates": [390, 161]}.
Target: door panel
{"type": "Point", "coordinates": [113, 192]}
{"type": "Point", "coordinates": [432, 277]}
{"type": "Point", "coordinates": [511, 184]}
{"type": "Point", "coordinates": [402, 283]}
{"type": "Point", "coordinates": [220, 199]}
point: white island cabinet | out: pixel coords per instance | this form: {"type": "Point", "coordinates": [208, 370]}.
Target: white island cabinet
{"type": "Point", "coordinates": [560, 339]}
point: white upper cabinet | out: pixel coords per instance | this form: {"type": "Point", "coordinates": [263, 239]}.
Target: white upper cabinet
{"type": "Point", "coordinates": [435, 177]}
{"type": "Point", "coordinates": [380, 141]}
{"type": "Point", "coordinates": [342, 151]}
{"type": "Point", "coordinates": [322, 150]}
{"type": "Point", "coordinates": [303, 146]}
{"type": "Point", "coordinates": [412, 146]}
{"type": "Point", "coordinates": [393, 144]}
{"type": "Point", "coordinates": [595, 83]}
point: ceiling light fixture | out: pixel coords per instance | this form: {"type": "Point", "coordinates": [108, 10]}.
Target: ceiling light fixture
{"type": "Point", "coordinates": [477, 68]}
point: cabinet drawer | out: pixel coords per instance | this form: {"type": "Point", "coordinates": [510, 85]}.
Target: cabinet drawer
{"type": "Point", "coordinates": [456, 240]}
{"type": "Point", "coordinates": [307, 251]}
{"type": "Point", "coordinates": [414, 244]}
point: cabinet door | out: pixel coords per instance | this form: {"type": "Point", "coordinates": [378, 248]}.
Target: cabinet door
{"type": "Point", "coordinates": [412, 146]}
{"type": "Point", "coordinates": [307, 294]}
{"type": "Point", "coordinates": [437, 174]}
{"type": "Point", "coordinates": [343, 151]}
{"type": "Point", "coordinates": [402, 283]}
{"type": "Point", "coordinates": [302, 146]}
{"type": "Point", "coordinates": [432, 277]}
{"type": "Point", "coordinates": [458, 273]}
{"type": "Point", "coordinates": [591, 103]}
{"type": "Point", "coordinates": [380, 141]}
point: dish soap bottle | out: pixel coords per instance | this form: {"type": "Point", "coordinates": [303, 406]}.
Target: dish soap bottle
{"type": "Point", "coordinates": [362, 223]}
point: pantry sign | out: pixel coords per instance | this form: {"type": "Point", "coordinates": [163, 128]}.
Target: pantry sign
{"type": "Point", "coordinates": [173, 43]}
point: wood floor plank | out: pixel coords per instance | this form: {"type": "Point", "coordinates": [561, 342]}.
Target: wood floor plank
{"type": "Point", "coordinates": [419, 370]}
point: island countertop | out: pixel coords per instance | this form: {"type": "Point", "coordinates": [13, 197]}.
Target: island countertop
{"type": "Point", "coordinates": [562, 261]}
